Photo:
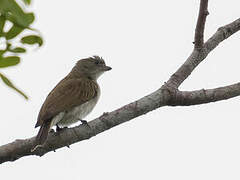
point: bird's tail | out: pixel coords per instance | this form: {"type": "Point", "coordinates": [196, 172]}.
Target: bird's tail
{"type": "Point", "coordinates": [42, 135]}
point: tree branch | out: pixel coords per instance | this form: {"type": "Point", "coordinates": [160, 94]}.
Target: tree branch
{"type": "Point", "coordinates": [20, 148]}
{"type": "Point", "coordinates": [197, 56]}
{"type": "Point", "coordinates": [168, 94]}
{"type": "Point", "coordinates": [199, 31]}
{"type": "Point", "coordinates": [187, 98]}
{"type": "Point", "coordinates": [222, 33]}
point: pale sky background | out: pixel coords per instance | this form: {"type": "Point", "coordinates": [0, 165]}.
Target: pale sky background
{"type": "Point", "coordinates": [144, 42]}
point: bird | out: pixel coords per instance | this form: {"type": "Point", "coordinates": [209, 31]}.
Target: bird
{"type": "Point", "coordinates": [72, 99]}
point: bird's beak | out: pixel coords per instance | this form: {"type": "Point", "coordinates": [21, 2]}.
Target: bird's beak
{"type": "Point", "coordinates": [106, 68]}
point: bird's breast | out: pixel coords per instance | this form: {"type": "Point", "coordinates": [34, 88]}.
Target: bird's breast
{"type": "Point", "coordinates": [75, 114]}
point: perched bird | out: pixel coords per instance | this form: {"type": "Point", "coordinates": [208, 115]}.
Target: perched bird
{"type": "Point", "coordinates": [72, 99]}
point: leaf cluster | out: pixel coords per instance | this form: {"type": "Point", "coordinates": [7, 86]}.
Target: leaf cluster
{"type": "Point", "coordinates": [12, 13]}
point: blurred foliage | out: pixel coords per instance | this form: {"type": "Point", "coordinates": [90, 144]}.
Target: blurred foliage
{"type": "Point", "coordinates": [11, 40]}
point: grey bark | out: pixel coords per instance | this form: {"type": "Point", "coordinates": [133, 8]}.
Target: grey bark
{"type": "Point", "coordinates": [167, 95]}
{"type": "Point", "coordinates": [199, 31]}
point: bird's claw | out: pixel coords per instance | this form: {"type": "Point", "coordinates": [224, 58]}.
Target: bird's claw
{"type": "Point", "coordinates": [84, 122]}
{"type": "Point", "coordinates": [52, 131]}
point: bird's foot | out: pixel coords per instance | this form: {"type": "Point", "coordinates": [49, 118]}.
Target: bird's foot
{"type": "Point", "coordinates": [52, 131]}
{"type": "Point", "coordinates": [105, 113]}
{"type": "Point", "coordinates": [58, 129]}
{"type": "Point", "coordinates": [84, 122]}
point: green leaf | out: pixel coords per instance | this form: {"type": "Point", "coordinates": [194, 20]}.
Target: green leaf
{"type": "Point", "coordinates": [27, 2]}
{"type": "Point", "coordinates": [29, 18]}
{"type": "Point", "coordinates": [15, 13]}
{"type": "Point", "coordinates": [18, 50]}
{"type": "Point", "coordinates": [13, 32]}
{"type": "Point", "coordinates": [9, 61]}
{"type": "Point", "coordinates": [2, 52]}
{"type": "Point", "coordinates": [2, 23]}
{"type": "Point", "coordinates": [32, 39]}
{"type": "Point", "coordinates": [10, 84]}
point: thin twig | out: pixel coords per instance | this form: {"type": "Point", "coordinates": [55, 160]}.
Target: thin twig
{"type": "Point", "coordinates": [199, 31]}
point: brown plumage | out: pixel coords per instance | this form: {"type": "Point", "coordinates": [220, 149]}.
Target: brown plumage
{"type": "Point", "coordinates": [70, 93]}
{"type": "Point", "coordinates": [72, 98]}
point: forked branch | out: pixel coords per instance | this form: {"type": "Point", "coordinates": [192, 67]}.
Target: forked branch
{"type": "Point", "coordinates": [167, 95]}
{"type": "Point", "coordinates": [197, 56]}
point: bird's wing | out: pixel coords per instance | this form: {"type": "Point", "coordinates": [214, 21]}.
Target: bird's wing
{"type": "Point", "coordinates": [67, 94]}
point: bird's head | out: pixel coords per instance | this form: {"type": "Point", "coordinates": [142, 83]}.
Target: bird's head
{"type": "Point", "coordinates": [91, 67]}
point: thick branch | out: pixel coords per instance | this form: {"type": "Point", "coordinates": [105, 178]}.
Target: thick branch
{"type": "Point", "coordinates": [162, 97]}
{"type": "Point", "coordinates": [187, 98]}
{"type": "Point", "coordinates": [199, 31]}
{"type": "Point", "coordinates": [198, 56]}
{"type": "Point", "coordinates": [20, 148]}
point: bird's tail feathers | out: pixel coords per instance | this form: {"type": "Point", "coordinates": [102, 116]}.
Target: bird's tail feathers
{"type": "Point", "coordinates": [42, 135]}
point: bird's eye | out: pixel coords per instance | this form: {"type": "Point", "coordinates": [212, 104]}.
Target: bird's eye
{"type": "Point", "coordinates": [97, 62]}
